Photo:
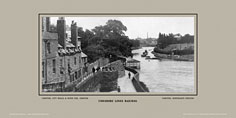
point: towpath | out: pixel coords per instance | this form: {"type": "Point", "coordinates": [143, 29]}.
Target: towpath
{"type": "Point", "coordinates": [125, 83]}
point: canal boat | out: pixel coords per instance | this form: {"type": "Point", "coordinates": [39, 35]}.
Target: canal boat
{"type": "Point", "coordinates": [148, 57]}
{"type": "Point", "coordinates": [145, 53]}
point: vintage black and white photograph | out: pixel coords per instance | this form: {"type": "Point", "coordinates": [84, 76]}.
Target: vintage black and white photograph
{"type": "Point", "coordinates": [118, 54]}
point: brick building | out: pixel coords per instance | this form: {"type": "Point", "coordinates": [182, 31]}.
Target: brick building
{"type": "Point", "coordinates": [63, 61]}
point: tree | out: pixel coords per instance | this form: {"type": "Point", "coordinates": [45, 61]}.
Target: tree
{"type": "Point", "coordinates": [112, 37]}
{"type": "Point", "coordinates": [165, 40]}
{"type": "Point", "coordinates": [116, 27]}
{"type": "Point", "coordinates": [112, 30]}
{"type": "Point", "coordinates": [105, 40]}
{"type": "Point", "coordinates": [85, 36]}
{"type": "Point", "coordinates": [94, 52]}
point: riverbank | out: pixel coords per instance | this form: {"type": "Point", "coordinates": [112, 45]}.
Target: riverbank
{"type": "Point", "coordinates": [139, 86]}
{"type": "Point", "coordinates": [160, 56]}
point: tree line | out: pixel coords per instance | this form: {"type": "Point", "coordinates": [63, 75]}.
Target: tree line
{"type": "Point", "coordinates": [167, 39]}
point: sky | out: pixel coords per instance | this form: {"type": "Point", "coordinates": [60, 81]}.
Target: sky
{"type": "Point", "coordinates": [139, 26]}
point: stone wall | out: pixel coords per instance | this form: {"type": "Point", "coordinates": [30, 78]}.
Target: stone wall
{"type": "Point", "coordinates": [62, 73]}
{"type": "Point", "coordinates": [75, 68]}
{"type": "Point", "coordinates": [47, 60]}
{"type": "Point", "coordinates": [117, 65]}
{"type": "Point", "coordinates": [53, 76]}
{"type": "Point", "coordinates": [99, 63]}
{"type": "Point", "coordinates": [103, 81]}
{"type": "Point", "coordinates": [109, 81]}
{"type": "Point", "coordinates": [100, 81]}
{"type": "Point", "coordinates": [89, 85]}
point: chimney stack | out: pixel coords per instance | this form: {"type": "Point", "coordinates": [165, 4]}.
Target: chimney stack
{"type": "Point", "coordinates": [74, 34]}
{"type": "Point", "coordinates": [44, 24]}
{"type": "Point", "coordinates": [48, 24]}
{"type": "Point", "coordinates": [61, 30]}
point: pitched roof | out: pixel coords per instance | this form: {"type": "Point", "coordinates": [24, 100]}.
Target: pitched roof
{"type": "Point", "coordinates": [83, 55]}
{"type": "Point", "coordinates": [68, 44]}
{"type": "Point", "coordinates": [59, 46]}
{"type": "Point", "coordinates": [49, 35]}
{"type": "Point", "coordinates": [133, 61]}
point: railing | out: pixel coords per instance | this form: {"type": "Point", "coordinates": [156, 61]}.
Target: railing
{"type": "Point", "coordinates": [131, 70]}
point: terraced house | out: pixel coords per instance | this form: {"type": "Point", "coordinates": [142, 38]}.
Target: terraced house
{"type": "Point", "coordinates": [63, 61]}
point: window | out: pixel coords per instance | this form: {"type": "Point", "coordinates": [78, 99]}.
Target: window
{"type": "Point", "coordinates": [54, 66]}
{"type": "Point", "coordinates": [73, 79]}
{"type": "Point", "coordinates": [76, 75]}
{"type": "Point", "coordinates": [79, 60]}
{"type": "Point", "coordinates": [70, 78]}
{"type": "Point", "coordinates": [79, 73]}
{"type": "Point", "coordinates": [61, 68]}
{"type": "Point", "coordinates": [75, 60]}
{"type": "Point", "coordinates": [43, 69]}
{"type": "Point", "coordinates": [61, 62]}
{"type": "Point", "coordinates": [48, 48]}
{"type": "Point", "coordinates": [69, 68]}
{"type": "Point", "coordinates": [68, 62]}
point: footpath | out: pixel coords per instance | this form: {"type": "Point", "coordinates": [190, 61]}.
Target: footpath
{"type": "Point", "coordinates": [125, 83]}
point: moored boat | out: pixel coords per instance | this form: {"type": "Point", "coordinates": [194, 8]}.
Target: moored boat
{"type": "Point", "coordinates": [145, 53]}
{"type": "Point", "coordinates": [148, 57]}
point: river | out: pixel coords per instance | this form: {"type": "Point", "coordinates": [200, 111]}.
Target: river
{"type": "Point", "coordinates": [166, 76]}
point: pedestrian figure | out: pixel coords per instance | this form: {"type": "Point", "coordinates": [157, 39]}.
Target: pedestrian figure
{"type": "Point", "coordinates": [118, 88]}
{"type": "Point", "coordinates": [98, 68]}
{"type": "Point", "coordinates": [129, 75]}
{"type": "Point", "coordinates": [93, 69]}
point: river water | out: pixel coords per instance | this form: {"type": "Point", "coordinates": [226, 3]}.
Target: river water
{"type": "Point", "coordinates": [166, 76]}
